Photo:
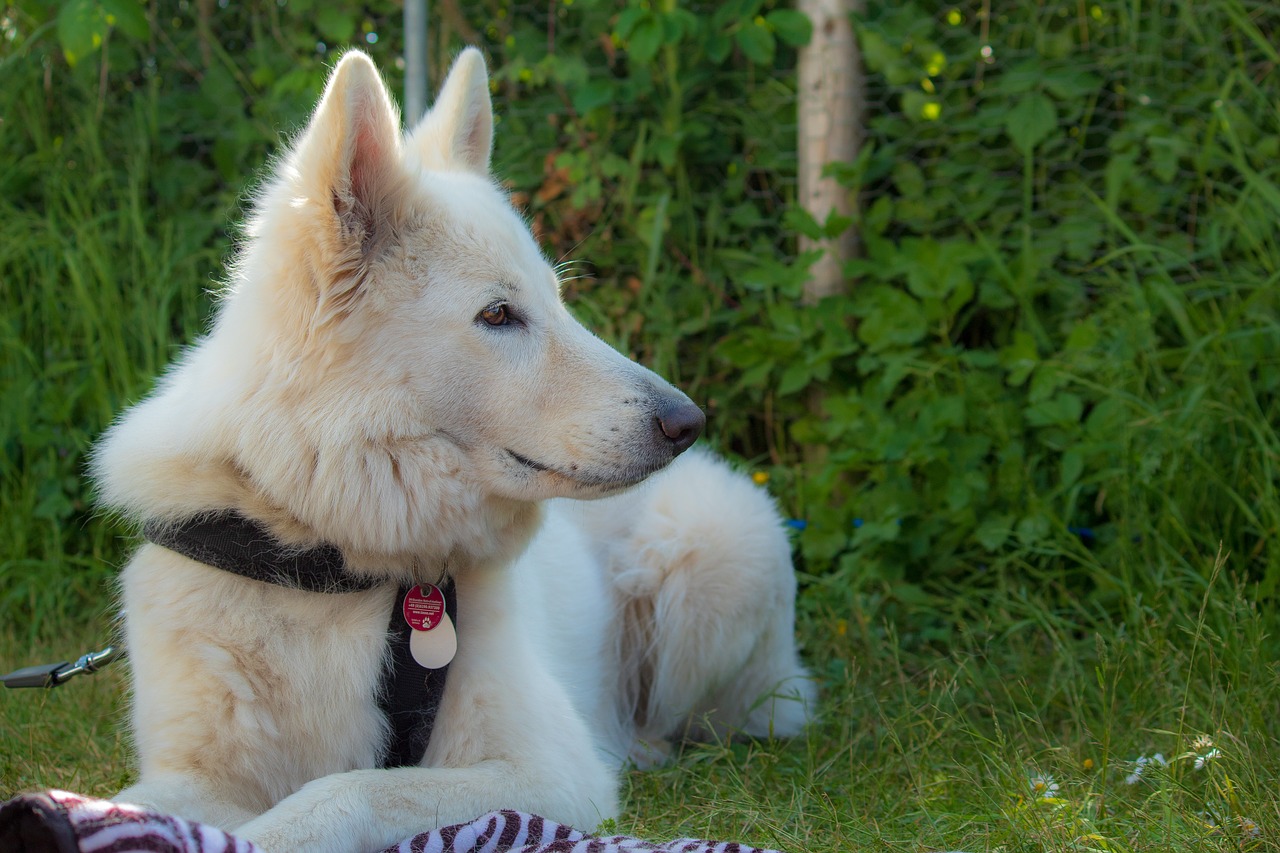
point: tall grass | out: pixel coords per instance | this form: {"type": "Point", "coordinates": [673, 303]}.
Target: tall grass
{"type": "Point", "coordinates": [100, 285]}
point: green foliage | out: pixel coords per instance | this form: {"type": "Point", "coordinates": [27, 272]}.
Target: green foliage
{"type": "Point", "coordinates": [1058, 348]}
{"type": "Point", "coordinates": [1057, 352]}
{"type": "Point", "coordinates": [84, 25]}
{"type": "Point", "coordinates": [1065, 323]}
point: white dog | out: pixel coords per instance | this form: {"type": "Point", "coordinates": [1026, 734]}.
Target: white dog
{"type": "Point", "coordinates": [392, 378]}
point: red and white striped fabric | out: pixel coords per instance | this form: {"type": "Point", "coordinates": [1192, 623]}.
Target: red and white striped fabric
{"type": "Point", "coordinates": [62, 822]}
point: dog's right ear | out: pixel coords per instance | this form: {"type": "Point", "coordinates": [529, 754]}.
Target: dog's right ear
{"type": "Point", "coordinates": [457, 133]}
{"type": "Point", "coordinates": [344, 170]}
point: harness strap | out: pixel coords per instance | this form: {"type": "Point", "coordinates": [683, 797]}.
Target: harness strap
{"type": "Point", "coordinates": [408, 694]}
{"type": "Point", "coordinates": [410, 700]}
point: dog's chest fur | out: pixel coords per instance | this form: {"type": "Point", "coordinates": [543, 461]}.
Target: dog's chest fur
{"type": "Point", "coordinates": [286, 679]}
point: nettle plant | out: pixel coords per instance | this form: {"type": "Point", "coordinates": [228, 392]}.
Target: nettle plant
{"type": "Point", "coordinates": [1054, 340]}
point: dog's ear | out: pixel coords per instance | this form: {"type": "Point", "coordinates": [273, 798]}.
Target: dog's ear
{"type": "Point", "coordinates": [457, 133]}
{"type": "Point", "coordinates": [348, 154]}
{"type": "Point", "coordinates": [346, 165]}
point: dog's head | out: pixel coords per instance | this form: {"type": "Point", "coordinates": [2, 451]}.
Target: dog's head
{"type": "Point", "coordinates": [392, 343]}
{"type": "Point", "coordinates": [420, 264]}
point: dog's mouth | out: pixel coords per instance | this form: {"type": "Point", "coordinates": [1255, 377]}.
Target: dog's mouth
{"type": "Point", "coordinates": [527, 462]}
{"type": "Point", "coordinates": [612, 482]}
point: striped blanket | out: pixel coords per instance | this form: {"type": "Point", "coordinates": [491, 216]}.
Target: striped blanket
{"type": "Point", "coordinates": [61, 822]}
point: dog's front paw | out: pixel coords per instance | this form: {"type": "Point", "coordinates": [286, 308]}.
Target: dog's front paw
{"type": "Point", "coordinates": [324, 816]}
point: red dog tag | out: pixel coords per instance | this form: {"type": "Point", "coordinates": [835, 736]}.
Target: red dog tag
{"type": "Point", "coordinates": [424, 607]}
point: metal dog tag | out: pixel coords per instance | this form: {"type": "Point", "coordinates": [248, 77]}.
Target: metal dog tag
{"type": "Point", "coordinates": [433, 641]}
{"type": "Point", "coordinates": [435, 648]}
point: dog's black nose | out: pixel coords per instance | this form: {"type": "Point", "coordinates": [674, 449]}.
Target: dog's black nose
{"type": "Point", "coordinates": [681, 422]}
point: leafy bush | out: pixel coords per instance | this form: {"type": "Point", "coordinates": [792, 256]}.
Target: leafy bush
{"type": "Point", "coordinates": [1065, 348]}
{"type": "Point", "coordinates": [1056, 362]}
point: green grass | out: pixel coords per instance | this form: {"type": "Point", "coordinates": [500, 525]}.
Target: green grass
{"type": "Point", "coordinates": [921, 745]}
{"type": "Point", "coordinates": [928, 746]}
{"type": "Point", "coordinates": [101, 283]}
{"type": "Point", "coordinates": [71, 737]}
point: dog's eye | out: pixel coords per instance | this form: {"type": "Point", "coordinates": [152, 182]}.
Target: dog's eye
{"type": "Point", "coordinates": [496, 314]}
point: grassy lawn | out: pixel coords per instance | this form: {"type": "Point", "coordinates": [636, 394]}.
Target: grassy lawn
{"type": "Point", "coordinates": [1021, 729]}
{"type": "Point", "coordinates": [72, 737]}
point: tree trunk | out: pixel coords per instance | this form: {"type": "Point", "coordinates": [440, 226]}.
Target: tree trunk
{"type": "Point", "coordinates": [831, 101]}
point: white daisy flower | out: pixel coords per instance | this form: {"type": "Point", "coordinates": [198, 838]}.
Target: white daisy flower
{"type": "Point", "coordinates": [1140, 766]}
{"type": "Point", "coordinates": [1248, 826]}
{"type": "Point", "coordinates": [1043, 787]}
{"type": "Point", "coordinates": [1202, 760]}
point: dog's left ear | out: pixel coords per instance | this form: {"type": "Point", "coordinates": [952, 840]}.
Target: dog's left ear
{"type": "Point", "coordinates": [458, 131]}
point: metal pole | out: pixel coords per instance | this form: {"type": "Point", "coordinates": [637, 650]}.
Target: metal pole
{"type": "Point", "coordinates": [415, 61]}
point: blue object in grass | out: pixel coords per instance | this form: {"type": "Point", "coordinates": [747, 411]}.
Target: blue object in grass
{"type": "Point", "coordinates": [857, 522]}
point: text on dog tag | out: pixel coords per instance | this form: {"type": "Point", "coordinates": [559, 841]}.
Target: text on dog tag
{"type": "Point", "coordinates": [424, 607]}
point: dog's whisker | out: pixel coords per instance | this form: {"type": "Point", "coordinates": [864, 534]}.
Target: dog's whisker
{"type": "Point", "coordinates": [567, 256]}
{"type": "Point", "coordinates": [569, 267]}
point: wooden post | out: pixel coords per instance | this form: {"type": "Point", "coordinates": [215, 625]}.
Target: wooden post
{"type": "Point", "coordinates": [831, 100]}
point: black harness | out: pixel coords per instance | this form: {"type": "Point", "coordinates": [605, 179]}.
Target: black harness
{"type": "Point", "coordinates": [408, 694]}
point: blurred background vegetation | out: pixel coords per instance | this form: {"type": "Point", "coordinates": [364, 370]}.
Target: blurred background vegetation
{"type": "Point", "coordinates": [1057, 363]}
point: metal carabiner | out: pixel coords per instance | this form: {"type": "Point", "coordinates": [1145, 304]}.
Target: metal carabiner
{"type": "Point", "coordinates": [51, 675]}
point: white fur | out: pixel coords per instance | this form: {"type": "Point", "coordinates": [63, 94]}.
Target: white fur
{"type": "Point", "coordinates": [352, 392]}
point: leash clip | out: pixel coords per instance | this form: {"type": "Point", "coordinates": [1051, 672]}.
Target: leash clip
{"type": "Point", "coordinates": [51, 675]}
